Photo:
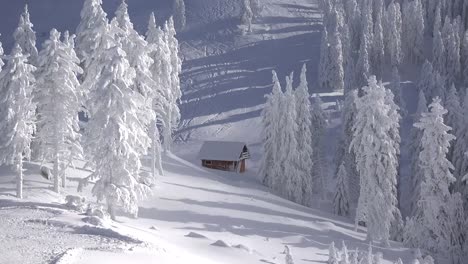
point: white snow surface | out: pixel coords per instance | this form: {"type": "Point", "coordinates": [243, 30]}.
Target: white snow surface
{"type": "Point", "coordinates": [196, 215]}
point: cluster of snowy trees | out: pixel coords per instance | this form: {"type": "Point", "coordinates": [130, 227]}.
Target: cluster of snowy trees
{"type": "Point", "coordinates": [126, 84]}
{"type": "Point", "coordinates": [343, 256]}
{"type": "Point", "coordinates": [292, 135]}
{"type": "Point", "coordinates": [250, 11]}
{"type": "Point", "coordinates": [363, 42]}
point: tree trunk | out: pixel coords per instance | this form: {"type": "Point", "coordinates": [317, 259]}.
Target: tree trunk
{"type": "Point", "coordinates": [56, 169]}
{"type": "Point", "coordinates": [19, 178]}
{"type": "Point", "coordinates": [111, 211]}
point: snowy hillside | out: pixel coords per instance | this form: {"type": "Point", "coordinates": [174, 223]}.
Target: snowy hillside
{"type": "Point", "coordinates": [194, 214]}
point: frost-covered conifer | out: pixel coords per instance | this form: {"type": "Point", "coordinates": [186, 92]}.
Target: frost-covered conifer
{"type": "Point", "coordinates": [430, 227]}
{"type": "Point", "coordinates": [377, 121]}
{"type": "Point", "coordinates": [17, 113]}
{"type": "Point", "coordinates": [304, 137]}
{"type": "Point", "coordinates": [319, 126]}
{"type": "Point", "coordinates": [288, 162]}
{"type": "Point", "coordinates": [454, 115]}
{"type": "Point", "coordinates": [452, 51]}
{"type": "Point", "coordinates": [89, 31]}
{"type": "Point", "coordinates": [25, 37]}
{"type": "Point", "coordinates": [288, 258]}
{"type": "Point", "coordinates": [116, 137]}
{"type": "Point", "coordinates": [363, 63]}
{"type": "Point", "coordinates": [247, 15]}
{"type": "Point", "coordinates": [344, 254]}
{"type": "Point", "coordinates": [1, 54]}
{"type": "Point", "coordinates": [325, 62]}
{"type": "Point", "coordinates": [460, 160]}
{"type": "Point", "coordinates": [179, 14]}
{"type": "Point", "coordinates": [172, 116]}
{"type": "Point", "coordinates": [333, 254]}
{"type": "Point", "coordinates": [336, 74]}
{"type": "Point", "coordinates": [270, 134]}
{"type": "Point", "coordinates": [394, 24]}
{"type": "Point", "coordinates": [59, 99]}
{"type": "Point", "coordinates": [395, 87]}
{"type": "Point", "coordinates": [413, 30]}
{"type": "Point", "coordinates": [426, 78]}
{"type": "Point", "coordinates": [341, 200]}
{"type": "Point", "coordinates": [415, 149]}
{"type": "Point", "coordinates": [439, 57]}
{"type": "Point", "coordinates": [378, 44]}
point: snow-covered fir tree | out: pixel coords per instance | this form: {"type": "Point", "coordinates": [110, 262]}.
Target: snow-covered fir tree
{"type": "Point", "coordinates": [394, 30]}
{"type": "Point", "coordinates": [319, 126]}
{"type": "Point", "coordinates": [59, 99]}
{"type": "Point", "coordinates": [172, 109]}
{"type": "Point", "coordinates": [431, 227]}
{"type": "Point", "coordinates": [288, 257]}
{"type": "Point", "coordinates": [180, 19]}
{"type": "Point", "coordinates": [1, 54]}
{"type": "Point", "coordinates": [452, 52]}
{"type": "Point", "coordinates": [413, 30]}
{"type": "Point", "coordinates": [88, 32]}
{"type": "Point", "coordinates": [459, 159]}
{"type": "Point", "coordinates": [270, 134]}
{"type": "Point", "coordinates": [373, 134]}
{"type": "Point", "coordinates": [341, 199]}
{"type": "Point", "coordinates": [336, 74]}
{"type": "Point", "coordinates": [362, 72]}
{"type": "Point", "coordinates": [304, 137]}
{"type": "Point", "coordinates": [426, 78]}
{"type": "Point", "coordinates": [346, 155]}
{"type": "Point", "coordinates": [116, 137]}
{"type": "Point", "coordinates": [17, 113]}
{"type": "Point", "coordinates": [395, 87]}
{"type": "Point", "coordinates": [453, 116]}
{"type": "Point", "coordinates": [325, 62]}
{"type": "Point", "coordinates": [288, 167]}
{"type": "Point", "coordinates": [378, 48]}
{"type": "Point", "coordinates": [415, 148]}
{"type": "Point", "coordinates": [439, 57]}
{"type": "Point", "coordinates": [160, 72]}
{"type": "Point", "coordinates": [247, 15]}
{"type": "Point", "coordinates": [25, 37]}
{"type": "Point", "coordinates": [333, 257]}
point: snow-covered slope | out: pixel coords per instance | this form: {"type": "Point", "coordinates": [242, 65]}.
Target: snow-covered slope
{"type": "Point", "coordinates": [195, 214]}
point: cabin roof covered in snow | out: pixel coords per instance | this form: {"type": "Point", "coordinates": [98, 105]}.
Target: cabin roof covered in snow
{"type": "Point", "coordinates": [221, 150]}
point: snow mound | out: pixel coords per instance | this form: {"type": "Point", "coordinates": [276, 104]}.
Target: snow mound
{"type": "Point", "coordinates": [97, 212]}
{"type": "Point", "coordinates": [195, 235]}
{"type": "Point", "coordinates": [75, 202]}
{"type": "Point", "coordinates": [105, 232]}
{"type": "Point", "coordinates": [221, 243]}
{"type": "Point", "coordinates": [242, 247]}
{"type": "Point", "coordinates": [69, 256]}
{"type": "Point", "coordinates": [94, 220]}
{"type": "Point", "coordinates": [154, 228]}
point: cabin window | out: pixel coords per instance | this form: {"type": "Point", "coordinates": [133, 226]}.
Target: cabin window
{"type": "Point", "coordinates": [208, 162]}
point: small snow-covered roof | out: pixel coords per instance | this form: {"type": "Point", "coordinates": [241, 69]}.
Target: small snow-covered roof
{"type": "Point", "coordinates": [221, 150]}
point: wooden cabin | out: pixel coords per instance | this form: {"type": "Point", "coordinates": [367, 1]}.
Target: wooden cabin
{"type": "Point", "coordinates": [224, 155]}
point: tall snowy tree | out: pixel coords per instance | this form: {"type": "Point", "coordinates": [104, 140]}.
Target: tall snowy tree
{"type": "Point", "coordinates": [413, 30]}
{"type": "Point", "coordinates": [89, 31]}
{"type": "Point", "coordinates": [304, 137]}
{"type": "Point", "coordinates": [341, 199]}
{"type": "Point", "coordinates": [59, 99]}
{"type": "Point", "coordinates": [172, 111]}
{"type": "Point", "coordinates": [116, 137]}
{"type": "Point", "coordinates": [160, 72]}
{"type": "Point", "coordinates": [431, 227]}
{"type": "Point", "coordinates": [454, 115]}
{"type": "Point", "coordinates": [336, 74]}
{"type": "Point", "coordinates": [394, 27]}
{"type": "Point", "coordinates": [179, 14]}
{"type": "Point", "coordinates": [1, 54]}
{"type": "Point", "coordinates": [319, 126]}
{"type": "Point", "coordinates": [460, 160]}
{"type": "Point", "coordinates": [395, 87]}
{"type": "Point", "coordinates": [452, 52]}
{"type": "Point", "coordinates": [25, 36]}
{"type": "Point", "coordinates": [362, 72]}
{"type": "Point", "coordinates": [17, 113]}
{"type": "Point", "coordinates": [324, 62]}
{"type": "Point", "coordinates": [247, 15]}
{"type": "Point", "coordinates": [376, 122]}
{"type": "Point", "coordinates": [270, 134]}
{"type": "Point", "coordinates": [378, 54]}
{"type": "Point", "coordinates": [288, 162]}
{"type": "Point", "coordinates": [415, 149]}
{"type": "Point", "coordinates": [426, 78]}
{"type": "Point", "coordinates": [439, 58]}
